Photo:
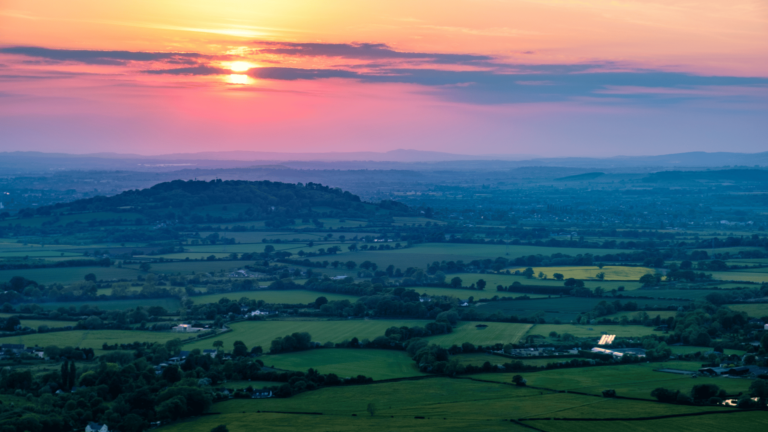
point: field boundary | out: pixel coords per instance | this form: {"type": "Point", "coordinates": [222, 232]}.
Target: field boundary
{"type": "Point", "coordinates": [661, 417]}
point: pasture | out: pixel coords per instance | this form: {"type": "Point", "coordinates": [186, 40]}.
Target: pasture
{"type": "Point", "coordinates": [68, 275]}
{"type": "Point", "coordinates": [591, 330]}
{"type": "Point", "coordinates": [636, 315]}
{"type": "Point", "coordinates": [262, 333]}
{"type": "Point", "coordinates": [564, 309]}
{"type": "Point", "coordinates": [754, 310]}
{"type": "Point", "coordinates": [507, 280]}
{"type": "Point", "coordinates": [91, 338]}
{"type": "Point", "coordinates": [269, 296]}
{"type": "Point", "coordinates": [421, 255]}
{"type": "Point", "coordinates": [435, 404]}
{"type": "Point", "coordinates": [741, 276]}
{"type": "Point", "coordinates": [377, 364]}
{"type": "Point", "coordinates": [170, 304]}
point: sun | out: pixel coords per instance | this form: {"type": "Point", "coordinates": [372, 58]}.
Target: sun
{"type": "Point", "coordinates": [240, 66]}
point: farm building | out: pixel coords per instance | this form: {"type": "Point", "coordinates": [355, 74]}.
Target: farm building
{"type": "Point", "coordinates": [210, 352]}
{"type": "Point", "coordinates": [186, 328]}
{"type": "Point", "coordinates": [620, 352]}
{"type": "Point", "coordinates": [261, 394]}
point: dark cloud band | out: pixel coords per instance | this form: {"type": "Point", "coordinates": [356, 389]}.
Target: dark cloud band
{"type": "Point", "coordinates": [101, 57]}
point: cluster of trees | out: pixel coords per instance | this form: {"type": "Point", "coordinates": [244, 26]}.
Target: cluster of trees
{"type": "Point", "coordinates": [711, 394]}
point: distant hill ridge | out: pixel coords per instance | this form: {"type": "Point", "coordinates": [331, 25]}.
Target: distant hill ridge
{"type": "Point", "coordinates": [263, 198]}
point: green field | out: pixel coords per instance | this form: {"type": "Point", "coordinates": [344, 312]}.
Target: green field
{"type": "Point", "coordinates": [377, 364]}
{"type": "Point", "coordinates": [290, 297]}
{"type": "Point", "coordinates": [755, 310]}
{"type": "Point", "coordinates": [91, 338]}
{"type": "Point", "coordinates": [170, 304]}
{"type": "Point", "coordinates": [744, 421]}
{"type": "Point", "coordinates": [467, 293]}
{"type": "Point", "coordinates": [564, 309]}
{"type": "Point", "coordinates": [445, 405]}
{"type": "Point", "coordinates": [422, 255]}
{"type": "Point", "coordinates": [635, 315]}
{"type": "Point", "coordinates": [507, 280]}
{"type": "Point", "coordinates": [496, 332]}
{"type": "Point", "coordinates": [262, 333]}
{"type": "Point", "coordinates": [693, 349]}
{"type": "Point", "coordinates": [67, 275]}
{"type": "Point", "coordinates": [632, 380]}
{"type": "Point", "coordinates": [590, 330]}
{"type": "Point", "coordinates": [612, 273]}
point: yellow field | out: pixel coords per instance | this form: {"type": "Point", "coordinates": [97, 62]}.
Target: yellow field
{"type": "Point", "coordinates": [614, 273]}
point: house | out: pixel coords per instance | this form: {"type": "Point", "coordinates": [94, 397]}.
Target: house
{"type": "Point", "coordinates": [96, 427]}
{"type": "Point", "coordinates": [765, 327]}
{"type": "Point", "coordinates": [339, 277]}
{"type": "Point", "coordinates": [261, 394]}
{"type": "Point", "coordinates": [184, 354]}
{"type": "Point", "coordinates": [261, 312]}
{"type": "Point", "coordinates": [210, 352]}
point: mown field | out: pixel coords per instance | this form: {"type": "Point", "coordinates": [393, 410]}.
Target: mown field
{"type": "Point", "coordinates": [292, 296]}
{"type": "Point", "coordinates": [262, 333]}
{"type": "Point", "coordinates": [91, 338]}
{"type": "Point", "coordinates": [377, 364]}
{"type": "Point", "coordinates": [612, 273]}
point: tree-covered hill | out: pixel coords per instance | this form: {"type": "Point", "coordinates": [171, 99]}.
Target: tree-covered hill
{"type": "Point", "coordinates": [256, 199]}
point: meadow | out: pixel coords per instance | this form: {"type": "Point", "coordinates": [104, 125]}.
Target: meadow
{"type": "Point", "coordinates": [170, 304]}
{"type": "Point", "coordinates": [288, 297]}
{"type": "Point", "coordinates": [564, 309]}
{"type": "Point", "coordinates": [506, 280]}
{"type": "Point", "coordinates": [431, 404]}
{"type": "Point", "coordinates": [591, 330]}
{"type": "Point", "coordinates": [377, 364]}
{"type": "Point", "coordinates": [754, 310]}
{"type": "Point", "coordinates": [91, 338]}
{"type": "Point", "coordinates": [738, 275]}
{"type": "Point", "coordinates": [262, 333]}
{"type": "Point", "coordinates": [421, 255]}
{"type": "Point", "coordinates": [68, 275]}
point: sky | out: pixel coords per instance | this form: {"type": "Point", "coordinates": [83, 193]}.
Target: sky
{"type": "Point", "coordinates": [551, 78]}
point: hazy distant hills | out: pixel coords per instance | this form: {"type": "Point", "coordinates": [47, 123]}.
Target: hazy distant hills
{"type": "Point", "coordinates": [31, 162]}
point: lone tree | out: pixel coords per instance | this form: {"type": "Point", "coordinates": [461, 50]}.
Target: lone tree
{"type": "Point", "coordinates": [371, 409]}
{"type": "Point", "coordinates": [145, 267]}
{"type": "Point", "coordinates": [518, 380]}
{"type": "Point", "coordinates": [218, 344]}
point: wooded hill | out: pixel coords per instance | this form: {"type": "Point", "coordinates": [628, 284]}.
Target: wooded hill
{"type": "Point", "coordinates": [257, 199]}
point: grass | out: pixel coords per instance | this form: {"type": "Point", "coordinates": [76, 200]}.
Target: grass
{"type": "Point", "coordinates": [262, 333]}
{"type": "Point", "coordinates": [631, 380]}
{"type": "Point", "coordinates": [170, 304]}
{"type": "Point", "coordinates": [612, 273]}
{"type": "Point", "coordinates": [378, 364]}
{"type": "Point", "coordinates": [290, 297]}
{"type": "Point", "coordinates": [466, 293]}
{"type": "Point", "coordinates": [593, 331]}
{"type": "Point", "coordinates": [757, 310]}
{"type": "Point", "coordinates": [442, 404]}
{"type": "Point", "coordinates": [507, 280]}
{"type": "Point", "coordinates": [635, 315]}
{"type": "Point", "coordinates": [495, 333]}
{"type": "Point", "coordinates": [90, 338]}
{"type": "Point", "coordinates": [564, 309]}
{"type": "Point", "coordinates": [743, 422]}
{"type": "Point", "coordinates": [68, 275]}
{"type": "Point", "coordinates": [423, 254]}
{"type": "Point", "coordinates": [679, 350]}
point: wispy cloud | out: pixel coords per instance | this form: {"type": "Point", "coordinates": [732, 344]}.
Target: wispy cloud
{"type": "Point", "coordinates": [363, 51]}
{"type": "Point", "coordinates": [96, 57]}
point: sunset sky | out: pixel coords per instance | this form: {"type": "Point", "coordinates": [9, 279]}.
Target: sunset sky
{"type": "Point", "coordinates": [542, 77]}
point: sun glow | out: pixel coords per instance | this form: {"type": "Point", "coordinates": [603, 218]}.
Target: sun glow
{"type": "Point", "coordinates": [240, 66]}
{"type": "Point", "coordinates": [238, 79]}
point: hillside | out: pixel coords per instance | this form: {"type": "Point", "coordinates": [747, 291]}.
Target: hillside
{"type": "Point", "coordinates": [250, 199]}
